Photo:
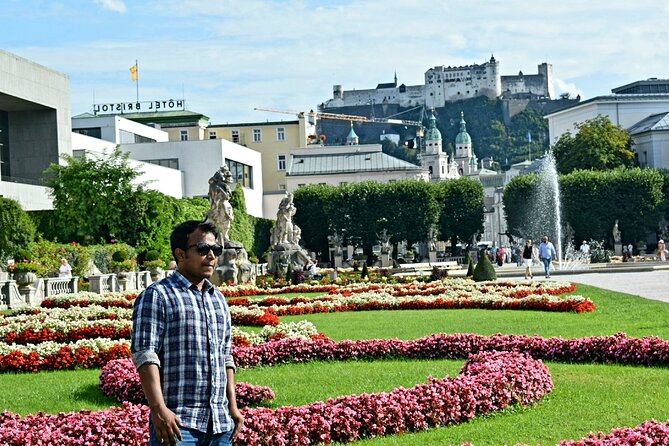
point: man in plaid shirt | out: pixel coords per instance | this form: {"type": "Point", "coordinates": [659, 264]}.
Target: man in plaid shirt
{"type": "Point", "coordinates": [182, 347]}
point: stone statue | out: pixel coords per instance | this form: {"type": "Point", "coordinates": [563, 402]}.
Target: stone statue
{"type": "Point", "coordinates": [384, 238]}
{"type": "Point", "coordinates": [335, 241]}
{"type": "Point", "coordinates": [285, 239]}
{"type": "Point", "coordinates": [432, 239]}
{"type": "Point", "coordinates": [220, 191]}
{"type": "Point", "coordinates": [284, 230]}
{"type": "Point", "coordinates": [616, 233]}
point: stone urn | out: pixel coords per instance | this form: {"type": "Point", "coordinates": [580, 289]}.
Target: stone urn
{"type": "Point", "coordinates": [25, 279]}
{"type": "Point", "coordinates": [157, 273]}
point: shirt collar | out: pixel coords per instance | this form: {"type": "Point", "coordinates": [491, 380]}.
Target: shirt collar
{"type": "Point", "coordinates": [184, 283]}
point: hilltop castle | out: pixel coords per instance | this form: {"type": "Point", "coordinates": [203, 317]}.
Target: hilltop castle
{"type": "Point", "coordinates": [448, 84]}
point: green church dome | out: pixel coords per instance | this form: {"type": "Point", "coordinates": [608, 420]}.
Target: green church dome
{"type": "Point", "coordinates": [463, 137]}
{"type": "Point", "coordinates": [433, 133]}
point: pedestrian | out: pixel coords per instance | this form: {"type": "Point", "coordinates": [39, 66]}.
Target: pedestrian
{"type": "Point", "coordinates": [65, 269]}
{"type": "Point", "coordinates": [661, 250]}
{"type": "Point", "coordinates": [527, 259]}
{"type": "Point", "coordinates": [182, 347]}
{"type": "Point", "coordinates": [547, 255]}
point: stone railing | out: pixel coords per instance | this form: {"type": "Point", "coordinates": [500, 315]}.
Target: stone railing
{"type": "Point", "coordinates": [60, 285]}
{"type": "Point", "coordinates": [10, 297]}
{"type": "Point", "coordinates": [103, 283]}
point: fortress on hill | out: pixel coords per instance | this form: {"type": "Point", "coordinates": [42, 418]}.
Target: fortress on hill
{"type": "Point", "coordinates": [448, 84]}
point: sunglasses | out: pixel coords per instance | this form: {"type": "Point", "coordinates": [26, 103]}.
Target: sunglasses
{"type": "Point", "coordinates": [203, 249]}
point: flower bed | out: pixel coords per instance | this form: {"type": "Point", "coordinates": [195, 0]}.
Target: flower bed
{"type": "Point", "coordinates": [290, 330]}
{"type": "Point", "coordinates": [647, 433]}
{"type": "Point", "coordinates": [119, 380]}
{"type": "Point", "coordinates": [619, 349]}
{"type": "Point", "coordinates": [488, 382]}
{"type": "Point", "coordinates": [85, 353]}
{"type": "Point", "coordinates": [38, 328]}
{"type": "Point", "coordinates": [84, 299]}
{"type": "Point", "coordinates": [127, 425]}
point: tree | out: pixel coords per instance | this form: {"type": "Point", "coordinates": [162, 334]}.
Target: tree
{"type": "Point", "coordinates": [93, 197]}
{"type": "Point", "coordinates": [597, 145]}
{"type": "Point", "coordinates": [242, 226]}
{"type": "Point", "coordinates": [462, 205]}
{"type": "Point", "coordinates": [518, 195]}
{"type": "Point", "coordinates": [17, 230]}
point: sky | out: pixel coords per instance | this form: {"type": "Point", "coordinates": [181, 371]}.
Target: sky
{"type": "Point", "coordinates": [226, 57]}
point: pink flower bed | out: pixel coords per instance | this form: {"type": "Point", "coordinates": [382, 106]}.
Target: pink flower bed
{"type": "Point", "coordinates": [619, 348]}
{"type": "Point", "coordinates": [119, 380]}
{"type": "Point", "coordinates": [647, 433]}
{"type": "Point", "coordinates": [488, 382]}
{"type": "Point", "coordinates": [127, 425]}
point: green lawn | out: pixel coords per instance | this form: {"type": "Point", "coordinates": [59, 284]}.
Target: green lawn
{"type": "Point", "coordinates": [586, 397]}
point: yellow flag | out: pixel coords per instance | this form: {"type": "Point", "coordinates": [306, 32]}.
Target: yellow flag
{"type": "Point", "coordinates": [133, 72]}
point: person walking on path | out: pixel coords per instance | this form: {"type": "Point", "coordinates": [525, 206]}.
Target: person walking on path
{"type": "Point", "coordinates": [182, 347]}
{"type": "Point", "coordinates": [662, 251]}
{"type": "Point", "coordinates": [547, 255]}
{"type": "Point", "coordinates": [527, 259]}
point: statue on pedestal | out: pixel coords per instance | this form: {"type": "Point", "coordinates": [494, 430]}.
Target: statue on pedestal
{"type": "Point", "coordinates": [616, 233]}
{"type": "Point", "coordinates": [233, 264]}
{"type": "Point", "coordinates": [220, 191]}
{"type": "Point", "coordinates": [384, 240]}
{"type": "Point", "coordinates": [285, 240]}
{"type": "Point", "coordinates": [432, 235]}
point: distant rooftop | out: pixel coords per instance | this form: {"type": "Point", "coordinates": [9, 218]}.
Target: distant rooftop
{"type": "Point", "coordinates": [652, 85]}
{"type": "Point", "coordinates": [659, 121]}
{"type": "Point", "coordinates": [317, 161]}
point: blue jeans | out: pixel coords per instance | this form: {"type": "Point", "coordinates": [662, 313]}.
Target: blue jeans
{"type": "Point", "coordinates": [192, 437]}
{"type": "Point", "coordinates": [547, 265]}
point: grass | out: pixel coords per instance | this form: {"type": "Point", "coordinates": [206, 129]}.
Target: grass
{"type": "Point", "coordinates": [586, 397]}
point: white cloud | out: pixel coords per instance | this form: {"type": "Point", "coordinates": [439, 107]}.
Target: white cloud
{"type": "Point", "coordinates": [113, 5]}
{"type": "Point", "coordinates": [566, 87]}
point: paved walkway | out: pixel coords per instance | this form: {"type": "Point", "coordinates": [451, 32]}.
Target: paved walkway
{"type": "Point", "coordinates": [648, 284]}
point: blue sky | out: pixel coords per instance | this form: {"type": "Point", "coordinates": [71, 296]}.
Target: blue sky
{"type": "Point", "coordinates": [227, 57]}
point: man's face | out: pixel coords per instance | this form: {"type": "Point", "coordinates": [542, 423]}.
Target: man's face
{"type": "Point", "coordinates": [193, 265]}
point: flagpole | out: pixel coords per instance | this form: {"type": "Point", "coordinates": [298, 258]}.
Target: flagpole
{"type": "Point", "coordinates": [137, 81]}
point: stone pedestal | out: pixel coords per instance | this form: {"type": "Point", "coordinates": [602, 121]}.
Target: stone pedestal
{"type": "Point", "coordinates": [618, 249]}
{"type": "Point", "coordinates": [385, 260]}
{"type": "Point", "coordinates": [338, 261]}
{"type": "Point", "coordinates": [234, 265]}
{"type": "Point", "coordinates": [349, 252]}
{"type": "Point", "coordinates": [432, 255]}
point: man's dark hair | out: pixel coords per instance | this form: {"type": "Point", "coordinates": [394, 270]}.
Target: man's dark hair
{"type": "Point", "coordinates": [180, 233]}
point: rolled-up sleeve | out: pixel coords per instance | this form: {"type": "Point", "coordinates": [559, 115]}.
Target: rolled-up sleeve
{"type": "Point", "coordinates": [229, 359]}
{"type": "Point", "coordinates": [148, 326]}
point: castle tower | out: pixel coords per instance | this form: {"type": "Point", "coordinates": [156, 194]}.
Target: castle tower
{"type": "Point", "coordinates": [434, 158]}
{"type": "Point", "coordinates": [464, 155]}
{"type": "Point", "coordinates": [546, 70]}
{"type": "Point", "coordinates": [352, 138]}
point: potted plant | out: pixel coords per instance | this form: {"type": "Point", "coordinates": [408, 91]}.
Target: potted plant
{"type": "Point", "coordinates": [154, 264]}
{"type": "Point", "coordinates": [25, 272]}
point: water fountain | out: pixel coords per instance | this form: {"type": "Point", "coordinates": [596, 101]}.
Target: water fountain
{"type": "Point", "coordinates": [544, 217]}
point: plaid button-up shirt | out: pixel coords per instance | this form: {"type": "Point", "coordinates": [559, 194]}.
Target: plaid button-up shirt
{"type": "Point", "coordinates": [187, 334]}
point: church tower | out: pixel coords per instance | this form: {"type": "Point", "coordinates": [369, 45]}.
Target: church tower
{"type": "Point", "coordinates": [352, 138]}
{"type": "Point", "coordinates": [434, 157]}
{"type": "Point", "coordinates": [464, 155]}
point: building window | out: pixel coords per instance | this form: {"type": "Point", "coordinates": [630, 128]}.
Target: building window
{"type": "Point", "coordinates": [301, 185]}
{"type": "Point", "coordinates": [93, 132]}
{"type": "Point", "coordinates": [184, 135]}
{"type": "Point", "coordinates": [282, 186]}
{"type": "Point", "coordinates": [212, 134]}
{"type": "Point", "coordinates": [257, 135]}
{"type": "Point", "coordinates": [343, 183]}
{"type": "Point", "coordinates": [281, 134]}
{"type": "Point", "coordinates": [172, 163]}
{"type": "Point", "coordinates": [281, 162]}
{"type": "Point", "coordinates": [241, 173]}
{"type": "Point", "coordinates": [235, 136]}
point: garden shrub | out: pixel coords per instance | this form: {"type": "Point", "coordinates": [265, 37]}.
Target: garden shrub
{"type": "Point", "coordinates": [438, 273]}
{"type": "Point", "coordinates": [17, 230]}
{"type": "Point", "coordinates": [599, 254]}
{"type": "Point", "coordinates": [365, 272]}
{"type": "Point", "coordinates": [484, 270]}
{"type": "Point", "coordinates": [470, 267]}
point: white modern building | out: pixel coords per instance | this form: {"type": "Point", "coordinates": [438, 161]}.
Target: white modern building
{"type": "Point", "coordinates": [34, 128]}
{"type": "Point", "coordinates": [638, 107]}
{"type": "Point", "coordinates": [199, 160]}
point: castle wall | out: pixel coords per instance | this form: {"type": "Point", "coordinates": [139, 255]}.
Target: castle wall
{"type": "Point", "coordinates": [448, 84]}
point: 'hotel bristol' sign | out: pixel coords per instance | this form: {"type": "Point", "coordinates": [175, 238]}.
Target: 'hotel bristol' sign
{"type": "Point", "coordinates": [139, 107]}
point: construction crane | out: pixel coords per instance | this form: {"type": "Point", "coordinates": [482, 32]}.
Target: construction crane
{"type": "Point", "coordinates": [351, 118]}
